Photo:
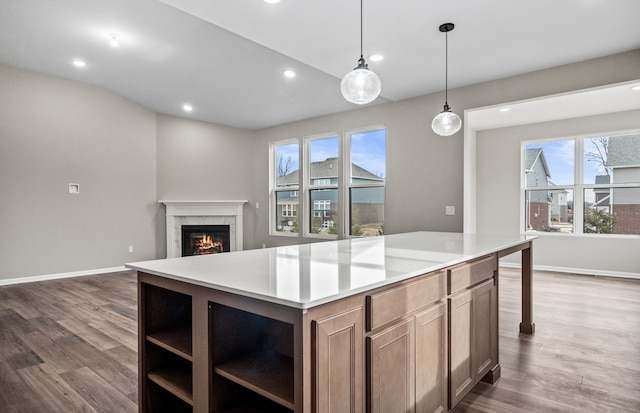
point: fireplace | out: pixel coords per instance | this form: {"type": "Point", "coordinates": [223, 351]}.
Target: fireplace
{"type": "Point", "coordinates": [205, 239]}
{"type": "Point", "coordinates": [203, 213]}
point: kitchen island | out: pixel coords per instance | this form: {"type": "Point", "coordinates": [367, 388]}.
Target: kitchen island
{"type": "Point", "coordinates": [383, 324]}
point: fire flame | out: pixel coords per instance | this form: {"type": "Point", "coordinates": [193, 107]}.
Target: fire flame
{"type": "Point", "coordinates": [208, 245]}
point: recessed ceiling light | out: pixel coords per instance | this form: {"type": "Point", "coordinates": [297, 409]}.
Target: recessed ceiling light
{"type": "Point", "coordinates": [290, 74]}
{"type": "Point", "coordinates": [187, 107]}
{"type": "Point", "coordinates": [636, 88]}
{"type": "Point", "coordinates": [272, 1]}
{"type": "Point", "coordinates": [78, 63]}
{"type": "Point", "coordinates": [504, 110]}
{"type": "Point", "coordinates": [114, 39]}
{"type": "Point", "coordinates": [377, 57]}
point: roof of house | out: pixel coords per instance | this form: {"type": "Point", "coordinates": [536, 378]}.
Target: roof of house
{"type": "Point", "coordinates": [328, 169]}
{"type": "Point", "coordinates": [532, 155]}
{"type": "Point", "coordinates": [624, 150]}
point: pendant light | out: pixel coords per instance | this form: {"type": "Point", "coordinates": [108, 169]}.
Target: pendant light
{"type": "Point", "coordinates": [361, 85]}
{"type": "Point", "coordinates": [446, 122]}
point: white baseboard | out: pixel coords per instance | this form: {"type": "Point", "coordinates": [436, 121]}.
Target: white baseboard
{"type": "Point", "coordinates": [60, 275]}
{"type": "Point", "coordinates": [581, 271]}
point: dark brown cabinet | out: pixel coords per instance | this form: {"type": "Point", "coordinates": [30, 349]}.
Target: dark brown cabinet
{"type": "Point", "coordinates": [252, 361]}
{"type": "Point", "coordinates": [165, 340]}
{"type": "Point", "coordinates": [417, 345]}
{"type": "Point", "coordinates": [204, 351]}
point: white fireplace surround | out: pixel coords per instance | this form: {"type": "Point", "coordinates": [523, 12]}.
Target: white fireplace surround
{"type": "Point", "coordinates": [181, 213]}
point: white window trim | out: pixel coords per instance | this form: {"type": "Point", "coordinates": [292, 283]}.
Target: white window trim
{"type": "Point", "coordinates": [307, 187]}
{"type": "Point", "coordinates": [304, 187]}
{"type": "Point", "coordinates": [578, 187]}
{"type": "Point", "coordinates": [346, 178]}
{"type": "Point", "coordinates": [273, 189]}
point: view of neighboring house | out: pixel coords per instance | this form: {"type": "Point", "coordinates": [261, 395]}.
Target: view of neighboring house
{"type": "Point", "coordinates": [623, 159]}
{"type": "Point", "coordinates": [603, 195]}
{"type": "Point", "coordinates": [613, 209]}
{"type": "Point", "coordinates": [368, 203]}
{"type": "Point", "coordinates": [543, 207]}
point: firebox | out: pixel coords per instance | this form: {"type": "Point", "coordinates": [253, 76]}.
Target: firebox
{"type": "Point", "coordinates": [205, 239]}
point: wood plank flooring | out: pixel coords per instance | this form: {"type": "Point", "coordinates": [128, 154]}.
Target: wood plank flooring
{"type": "Point", "coordinates": [584, 356]}
{"type": "Point", "coordinates": [71, 346]}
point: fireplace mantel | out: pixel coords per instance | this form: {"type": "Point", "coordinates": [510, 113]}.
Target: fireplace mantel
{"type": "Point", "coordinates": [202, 213]}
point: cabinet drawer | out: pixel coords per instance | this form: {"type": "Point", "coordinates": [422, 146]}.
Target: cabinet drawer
{"type": "Point", "coordinates": [465, 275]}
{"type": "Point", "coordinates": [391, 304]}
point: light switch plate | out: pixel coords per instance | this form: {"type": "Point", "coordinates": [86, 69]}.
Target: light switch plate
{"type": "Point", "coordinates": [450, 210]}
{"type": "Point", "coordinates": [74, 189]}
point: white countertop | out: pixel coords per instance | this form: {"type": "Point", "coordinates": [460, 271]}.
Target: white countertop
{"type": "Point", "coordinates": [304, 276]}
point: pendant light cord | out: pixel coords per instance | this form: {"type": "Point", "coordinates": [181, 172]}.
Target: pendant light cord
{"type": "Point", "coordinates": [446, 68]}
{"type": "Point", "coordinates": [361, 45]}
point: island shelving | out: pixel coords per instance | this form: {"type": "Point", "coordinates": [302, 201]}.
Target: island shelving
{"type": "Point", "coordinates": [394, 323]}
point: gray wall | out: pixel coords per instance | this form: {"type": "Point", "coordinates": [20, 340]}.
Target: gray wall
{"type": "Point", "coordinates": [126, 158]}
{"type": "Point", "coordinates": [54, 132]}
{"type": "Point", "coordinates": [203, 161]}
{"type": "Point", "coordinates": [425, 171]}
{"type": "Point", "coordinates": [498, 197]}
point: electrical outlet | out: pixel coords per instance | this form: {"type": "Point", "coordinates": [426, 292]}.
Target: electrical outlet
{"type": "Point", "coordinates": [130, 248]}
{"type": "Point", "coordinates": [257, 205]}
{"type": "Point", "coordinates": [450, 210]}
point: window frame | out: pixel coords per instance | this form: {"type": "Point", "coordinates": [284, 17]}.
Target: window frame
{"type": "Point", "coordinates": [304, 188]}
{"type": "Point", "coordinates": [348, 184]}
{"type": "Point", "coordinates": [578, 187]}
{"type": "Point", "coordinates": [273, 207]}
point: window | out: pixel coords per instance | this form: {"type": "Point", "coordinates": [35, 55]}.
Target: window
{"type": "Point", "coordinates": [321, 205]}
{"type": "Point", "coordinates": [339, 198]}
{"type": "Point", "coordinates": [323, 168]}
{"type": "Point", "coordinates": [287, 180]}
{"type": "Point", "coordinates": [367, 169]}
{"type": "Point", "coordinates": [583, 185]}
{"type": "Point", "coordinates": [289, 210]}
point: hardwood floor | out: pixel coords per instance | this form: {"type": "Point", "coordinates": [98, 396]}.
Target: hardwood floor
{"type": "Point", "coordinates": [584, 356]}
{"type": "Point", "coordinates": [71, 346]}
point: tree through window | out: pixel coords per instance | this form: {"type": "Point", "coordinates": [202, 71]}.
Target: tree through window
{"type": "Point", "coordinates": [583, 185]}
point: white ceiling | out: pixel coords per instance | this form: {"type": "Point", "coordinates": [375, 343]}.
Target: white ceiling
{"type": "Point", "coordinates": [587, 102]}
{"type": "Point", "coordinates": [226, 57]}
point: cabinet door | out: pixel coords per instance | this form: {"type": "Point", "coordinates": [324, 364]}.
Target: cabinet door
{"type": "Point", "coordinates": [431, 360]}
{"type": "Point", "coordinates": [460, 344]}
{"type": "Point", "coordinates": [485, 326]}
{"type": "Point", "coordinates": [338, 362]}
{"type": "Point", "coordinates": [391, 364]}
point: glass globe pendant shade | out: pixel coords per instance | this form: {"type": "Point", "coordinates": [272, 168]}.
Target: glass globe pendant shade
{"type": "Point", "coordinates": [446, 123]}
{"type": "Point", "coordinates": [361, 85]}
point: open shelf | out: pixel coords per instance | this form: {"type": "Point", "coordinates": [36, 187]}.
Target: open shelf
{"type": "Point", "coordinates": [176, 382]}
{"type": "Point", "coordinates": [266, 372]}
{"type": "Point", "coordinates": [166, 350]}
{"type": "Point", "coordinates": [176, 340]}
{"type": "Point", "coordinates": [255, 405]}
{"type": "Point", "coordinates": [252, 361]}
{"type": "Point", "coordinates": [159, 400]}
